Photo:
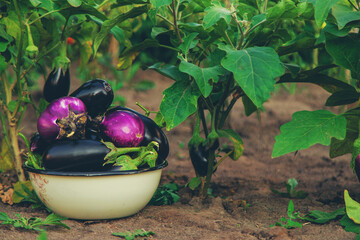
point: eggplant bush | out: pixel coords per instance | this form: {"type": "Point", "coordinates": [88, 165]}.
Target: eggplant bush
{"type": "Point", "coordinates": [223, 52]}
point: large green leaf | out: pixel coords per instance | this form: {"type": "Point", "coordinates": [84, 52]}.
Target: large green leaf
{"type": "Point", "coordinates": [341, 147]}
{"type": "Point", "coordinates": [255, 70]}
{"type": "Point", "coordinates": [322, 8]}
{"type": "Point", "coordinates": [214, 13]}
{"type": "Point", "coordinates": [179, 101]}
{"type": "Point", "coordinates": [346, 52]}
{"type": "Point", "coordinates": [352, 208]}
{"type": "Point", "coordinates": [308, 128]}
{"type": "Point", "coordinates": [109, 24]}
{"type": "Point", "coordinates": [344, 14]}
{"type": "Point", "coordinates": [75, 3]}
{"type": "Point", "coordinates": [202, 76]}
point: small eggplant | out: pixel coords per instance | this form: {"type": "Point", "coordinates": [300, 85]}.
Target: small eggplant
{"type": "Point", "coordinates": [199, 155]}
{"type": "Point", "coordinates": [97, 96]}
{"type": "Point", "coordinates": [122, 128]}
{"type": "Point", "coordinates": [152, 133]}
{"type": "Point", "coordinates": [75, 155]}
{"type": "Point", "coordinates": [63, 118]}
{"type": "Point", "coordinates": [57, 84]}
{"type": "Point", "coordinates": [37, 144]}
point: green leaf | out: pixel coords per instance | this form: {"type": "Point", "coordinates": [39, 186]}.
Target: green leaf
{"type": "Point", "coordinates": [109, 24]}
{"type": "Point", "coordinates": [308, 128]}
{"type": "Point", "coordinates": [35, 3]}
{"type": "Point", "coordinates": [286, 9]}
{"type": "Point", "coordinates": [344, 14]}
{"type": "Point", "coordinates": [341, 147]}
{"type": "Point", "coordinates": [189, 43]}
{"type": "Point", "coordinates": [128, 55]}
{"type": "Point", "coordinates": [248, 105]}
{"type": "Point", "coordinates": [322, 8]}
{"type": "Point", "coordinates": [194, 183]}
{"type": "Point", "coordinates": [236, 140]}
{"type": "Point", "coordinates": [349, 225]}
{"type": "Point", "coordinates": [155, 31]}
{"type": "Point", "coordinates": [352, 208]}
{"type": "Point", "coordinates": [75, 3]}
{"type": "Point", "coordinates": [160, 3]}
{"type": "Point", "coordinates": [19, 190]}
{"type": "Point", "coordinates": [345, 51]}
{"type": "Point", "coordinates": [3, 64]}
{"type": "Point", "coordinates": [214, 13]}
{"type": "Point", "coordinates": [255, 70]}
{"type": "Point", "coordinates": [169, 71]}
{"type": "Point", "coordinates": [204, 77]}
{"type": "Point", "coordinates": [324, 217]}
{"type": "Point", "coordinates": [179, 102]}
{"type": "Point", "coordinates": [343, 97]}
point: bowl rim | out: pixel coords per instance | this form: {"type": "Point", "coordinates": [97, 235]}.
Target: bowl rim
{"type": "Point", "coordinates": [94, 174]}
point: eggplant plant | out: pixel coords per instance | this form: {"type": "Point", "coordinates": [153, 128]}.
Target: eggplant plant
{"type": "Point", "coordinates": [339, 40]}
{"type": "Point", "coordinates": [225, 51]}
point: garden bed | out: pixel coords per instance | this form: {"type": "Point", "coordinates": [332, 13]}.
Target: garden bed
{"type": "Point", "coordinates": [235, 184]}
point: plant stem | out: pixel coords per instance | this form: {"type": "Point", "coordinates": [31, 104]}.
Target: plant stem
{"type": "Point", "coordinates": [166, 20]}
{"type": "Point", "coordinates": [175, 21]}
{"type": "Point", "coordinates": [352, 4]}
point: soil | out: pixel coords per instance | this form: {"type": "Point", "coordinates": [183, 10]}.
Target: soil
{"type": "Point", "coordinates": [248, 180]}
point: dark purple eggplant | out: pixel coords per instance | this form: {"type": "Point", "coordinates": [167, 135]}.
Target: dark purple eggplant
{"type": "Point", "coordinates": [122, 128]}
{"type": "Point", "coordinates": [152, 133]}
{"type": "Point", "coordinates": [97, 96]}
{"type": "Point", "coordinates": [75, 155]}
{"type": "Point", "coordinates": [37, 144]}
{"type": "Point", "coordinates": [199, 155]}
{"type": "Point", "coordinates": [63, 118]}
{"type": "Point", "coordinates": [57, 84]}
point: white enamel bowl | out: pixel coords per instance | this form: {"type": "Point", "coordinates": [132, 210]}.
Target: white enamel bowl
{"type": "Point", "coordinates": [96, 195]}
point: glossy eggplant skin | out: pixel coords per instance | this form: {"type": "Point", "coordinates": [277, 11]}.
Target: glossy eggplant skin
{"type": "Point", "coordinates": [37, 144]}
{"type": "Point", "coordinates": [199, 158]}
{"type": "Point", "coordinates": [75, 156]}
{"type": "Point", "coordinates": [57, 84]}
{"type": "Point", "coordinates": [152, 133]}
{"type": "Point", "coordinates": [97, 96]}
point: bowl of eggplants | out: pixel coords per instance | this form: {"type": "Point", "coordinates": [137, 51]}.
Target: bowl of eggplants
{"type": "Point", "coordinates": [90, 161]}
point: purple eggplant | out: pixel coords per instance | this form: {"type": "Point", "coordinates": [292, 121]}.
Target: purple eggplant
{"type": "Point", "coordinates": [97, 96]}
{"type": "Point", "coordinates": [152, 133]}
{"type": "Point", "coordinates": [63, 118]}
{"type": "Point", "coordinates": [57, 84]}
{"type": "Point", "coordinates": [122, 128]}
{"type": "Point", "coordinates": [38, 144]}
{"type": "Point", "coordinates": [75, 155]}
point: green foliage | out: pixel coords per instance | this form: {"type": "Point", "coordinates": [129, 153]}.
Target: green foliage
{"type": "Point", "coordinates": [23, 192]}
{"type": "Point", "coordinates": [309, 128]}
{"type": "Point", "coordinates": [323, 217]}
{"type": "Point", "coordinates": [33, 223]}
{"type": "Point", "coordinates": [165, 195]}
{"type": "Point", "coordinates": [291, 192]}
{"type": "Point", "coordinates": [132, 235]}
{"type": "Point", "coordinates": [290, 222]}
